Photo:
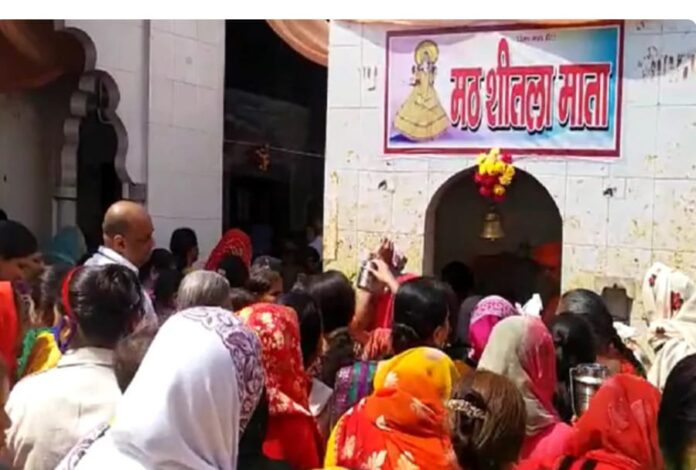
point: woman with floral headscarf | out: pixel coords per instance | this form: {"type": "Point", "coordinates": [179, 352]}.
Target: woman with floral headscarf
{"type": "Point", "coordinates": [617, 432]}
{"type": "Point", "coordinates": [186, 406]}
{"type": "Point", "coordinates": [234, 242]}
{"type": "Point", "coordinates": [521, 349]}
{"type": "Point", "coordinates": [292, 435]}
{"type": "Point", "coordinates": [669, 302]}
{"type": "Point", "coordinates": [402, 424]}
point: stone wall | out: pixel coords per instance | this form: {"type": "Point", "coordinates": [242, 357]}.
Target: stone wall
{"type": "Point", "coordinates": [618, 217]}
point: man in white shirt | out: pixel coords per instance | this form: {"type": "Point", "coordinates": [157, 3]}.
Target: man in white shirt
{"type": "Point", "coordinates": [128, 241]}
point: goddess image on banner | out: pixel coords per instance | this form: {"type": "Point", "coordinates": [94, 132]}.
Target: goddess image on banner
{"type": "Point", "coordinates": [536, 91]}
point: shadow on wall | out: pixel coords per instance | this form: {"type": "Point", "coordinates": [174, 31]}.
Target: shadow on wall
{"type": "Point", "coordinates": [31, 138]}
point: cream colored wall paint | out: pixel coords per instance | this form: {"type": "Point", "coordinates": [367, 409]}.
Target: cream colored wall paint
{"type": "Point", "coordinates": [649, 218]}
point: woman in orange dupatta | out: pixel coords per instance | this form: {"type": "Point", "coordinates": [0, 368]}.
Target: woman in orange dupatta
{"type": "Point", "coordinates": [292, 434]}
{"type": "Point", "coordinates": [234, 242]}
{"type": "Point", "coordinates": [403, 424]}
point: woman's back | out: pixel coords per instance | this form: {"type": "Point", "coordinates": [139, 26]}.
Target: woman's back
{"type": "Point", "coordinates": [402, 424]}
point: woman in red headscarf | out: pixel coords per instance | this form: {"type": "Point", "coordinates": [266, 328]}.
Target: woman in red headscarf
{"type": "Point", "coordinates": [617, 432]}
{"type": "Point", "coordinates": [292, 435]}
{"type": "Point", "coordinates": [234, 242]}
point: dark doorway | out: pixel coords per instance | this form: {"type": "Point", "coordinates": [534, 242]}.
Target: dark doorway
{"type": "Point", "coordinates": [274, 97]}
{"type": "Point", "coordinates": [98, 185]}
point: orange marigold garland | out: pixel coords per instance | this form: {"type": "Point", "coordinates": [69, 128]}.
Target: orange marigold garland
{"type": "Point", "coordinates": [495, 173]}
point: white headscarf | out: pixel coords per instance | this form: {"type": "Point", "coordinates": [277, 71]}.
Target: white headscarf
{"type": "Point", "coordinates": [669, 300]}
{"type": "Point", "coordinates": [191, 398]}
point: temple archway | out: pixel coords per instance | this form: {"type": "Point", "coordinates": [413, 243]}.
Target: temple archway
{"type": "Point", "coordinates": [509, 266]}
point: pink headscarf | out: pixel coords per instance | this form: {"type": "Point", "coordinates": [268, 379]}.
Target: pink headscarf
{"type": "Point", "coordinates": [487, 313]}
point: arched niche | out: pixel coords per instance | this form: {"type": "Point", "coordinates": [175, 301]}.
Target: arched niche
{"type": "Point", "coordinates": [92, 171]}
{"type": "Point", "coordinates": [530, 219]}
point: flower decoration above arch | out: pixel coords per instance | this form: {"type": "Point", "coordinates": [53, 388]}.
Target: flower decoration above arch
{"type": "Point", "coordinates": [494, 174]}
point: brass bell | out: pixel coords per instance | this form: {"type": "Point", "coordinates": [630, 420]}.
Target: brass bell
{"type": "Point", "coordinates": [492, 227]}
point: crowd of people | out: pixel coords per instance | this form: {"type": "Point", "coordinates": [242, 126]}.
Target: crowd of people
{"type": "Point", "coordinates": [131, 358]}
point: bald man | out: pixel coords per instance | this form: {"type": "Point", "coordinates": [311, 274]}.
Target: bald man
{"type": "Point", "coordinates": [128, 241]}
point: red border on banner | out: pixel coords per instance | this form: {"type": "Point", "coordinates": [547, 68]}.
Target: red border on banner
{"type": "Point", "coordinates": [615, 152]}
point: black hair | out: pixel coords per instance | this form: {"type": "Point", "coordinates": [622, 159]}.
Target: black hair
{"type": "Point", "coordinates": [261, 280]}
{"type": "Point", "coordinates": [234, 269]}
{"type": "Point", "coordinates": [311, 254]}
{"type": "Point", "coordinates": [420, 307]}
{"type": "Point", "coordinates": [160, 260]}
{"type": "Point", "coordinates": [592, 307]}
{"type": "Point", "coordinates": [574, 342]}
{"type": "Point", "coordinates": [240, 298]}
{"type": "Point", "coordinates": [84, 259]}
{"type": "Point", "coordinates": [309, 316]}
{"type": "Point", "coordinates": [16, 241]}
{"type": "Point", "coordinates": [129, 353]}
{"type": "Point", "coordinates": [3, 215]}
{"type": "Point", "coordinates": [181, 243]}
{"type": "Point", "coordinates": [339, 352]}
{"type": "Point", "coordinates": [676, 421]}
{"type": "Point", "coordinates": [107, 301]}
{"type": "Point", "coordinates": [166, 287]}
{"type": "Point", "coordinates": [464, 426]}
{"type": "Point", "coordinates": [46, 290]}
{"type": "Point", "coordinates": [452, 307]}
{"type": "Point", "coordinates": [459, 276]}
{"type": "Point", "coordinates": [311, 260]}
{"type": "Point", "coordinates": [335, 296]}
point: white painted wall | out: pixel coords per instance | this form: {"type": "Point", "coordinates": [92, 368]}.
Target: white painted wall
{"type": "Point", "coordinates": [649, 218]}
{"type": "Point", "coordinates": [185, 123]}
{"type": "Point", "coordinates": [170, 77]}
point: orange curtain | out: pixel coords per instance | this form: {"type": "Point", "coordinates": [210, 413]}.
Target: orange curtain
{"type": "Point", "coordinates": [33, 54]}
{"type": "Point", "coordinates": [311, 37]}
{"type": "Point", "coordinates": [308, 37]}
